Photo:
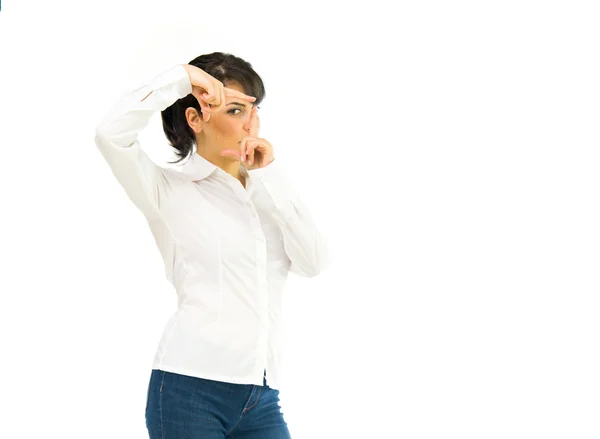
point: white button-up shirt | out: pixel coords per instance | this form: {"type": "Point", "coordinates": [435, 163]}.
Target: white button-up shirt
{"type": "Point", "coordinates": [227, 250]}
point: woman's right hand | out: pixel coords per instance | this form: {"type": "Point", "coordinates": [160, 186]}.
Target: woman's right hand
{"type": "Point", "coordinates": [210, 92]}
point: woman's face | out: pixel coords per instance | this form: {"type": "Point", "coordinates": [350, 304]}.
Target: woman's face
{"type": "Point", "coordinates": [228, 125]}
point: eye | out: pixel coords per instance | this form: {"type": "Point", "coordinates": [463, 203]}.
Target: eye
{"type": "Point", "coordinates": [234, 109]}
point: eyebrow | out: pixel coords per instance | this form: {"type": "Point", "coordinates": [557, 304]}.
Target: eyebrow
{"type": "Point", "coordinates": [237, 103]}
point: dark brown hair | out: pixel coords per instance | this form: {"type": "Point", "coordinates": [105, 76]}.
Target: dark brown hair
{"type": "Point", "coordinates": [224, 67]}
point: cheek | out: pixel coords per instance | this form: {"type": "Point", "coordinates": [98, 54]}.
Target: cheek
{"type": "Point", "coordinates": [225, 126]}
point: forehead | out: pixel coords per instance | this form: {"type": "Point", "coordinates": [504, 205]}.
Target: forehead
{"type": "Point", "coordinates": [236, 86]}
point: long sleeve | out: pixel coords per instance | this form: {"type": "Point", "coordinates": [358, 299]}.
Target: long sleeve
{"type": "Point", "coordinates": [304, 244]}
{"type": "Point", "coordinates": [117, 136]}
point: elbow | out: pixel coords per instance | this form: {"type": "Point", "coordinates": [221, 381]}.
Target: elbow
{"type": "Point", "coordinates": [110, 135]}
{"type": "Point", "coordinates": [309, 258]}
{"type": "Point", "coordinates": [304, 271]}
{"type": "Point", "coordinates": [100, 131]}
{"type": "Point", "coordinates": [102, 139]}
{"type": "Point", "coordinates": [313, 269]}
{"type": "Point", "coordinates": [102, 134]}
{"type": "Point", "coordinates": [314, 273]}
{"type": "Point", "coordinates": [110, 126]}
{"type": "Point", "coordinates": [106, 128]}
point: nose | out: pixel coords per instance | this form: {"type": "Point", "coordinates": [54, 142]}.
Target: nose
{"type": "Point", "coordinates": [247, 126]}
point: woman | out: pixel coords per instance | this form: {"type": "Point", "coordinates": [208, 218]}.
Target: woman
{"type": "Point", "coordinates": [229, 228]}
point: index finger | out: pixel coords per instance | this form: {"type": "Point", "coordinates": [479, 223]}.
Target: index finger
{"type": "Point", "coordinates": [238, 94]}
{"type": "Point", "coordinates": [254, 122]}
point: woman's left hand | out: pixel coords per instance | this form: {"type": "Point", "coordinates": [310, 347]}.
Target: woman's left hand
{"type": "Point", "coordinates": [254, 152]}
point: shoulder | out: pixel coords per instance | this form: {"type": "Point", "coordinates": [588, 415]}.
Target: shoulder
{"type": "Point", "coordinates": [173, 177]}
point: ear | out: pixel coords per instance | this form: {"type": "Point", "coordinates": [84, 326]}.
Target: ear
{"type": "Point", "coordinates": [194, 120]}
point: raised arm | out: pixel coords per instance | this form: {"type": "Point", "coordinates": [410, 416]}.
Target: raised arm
{"type": "Point", "coordinates": [117, 136]}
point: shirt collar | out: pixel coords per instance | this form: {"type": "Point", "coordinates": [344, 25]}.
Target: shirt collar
{"type": "Point", "coordinates": [197, 168]}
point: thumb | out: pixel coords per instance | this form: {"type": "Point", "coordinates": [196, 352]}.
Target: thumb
{"type": "Point", "coordinates": [205, 108]}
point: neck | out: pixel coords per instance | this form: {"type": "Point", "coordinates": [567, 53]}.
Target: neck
{"type": "Point", "coordinates": [227, 164]}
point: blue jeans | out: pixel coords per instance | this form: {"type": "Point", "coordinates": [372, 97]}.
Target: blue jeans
{"type": "Point", "coordinates": [185, 407]}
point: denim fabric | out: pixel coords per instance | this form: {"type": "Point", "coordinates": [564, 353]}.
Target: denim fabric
{"type": "Point", "coordinates": [185, 407]}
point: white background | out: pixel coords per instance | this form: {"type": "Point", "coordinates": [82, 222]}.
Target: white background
{"type": "Point", "coordinates": [448, 149]}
